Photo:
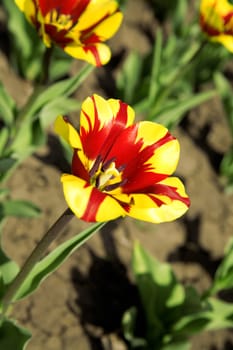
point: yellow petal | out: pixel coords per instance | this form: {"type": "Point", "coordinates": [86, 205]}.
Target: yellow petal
{"type": "Point", "coordinates": [67, 132]}
{"type": "Point", "coordinates": [176, 183]}
{"type": "Point", "coordinates": [95, 110]}
{"type": "Point", "coordinates": [87, 202]}
{"type": "Point", "coordinates": [107, 28]}
{"type": "Point", "coordinates": [95, 12]}
{"type": "Point", "coordinates": [225, 40]}
{"type": "Point", "coordinates": [115, 106]}
{"type": "Point", "coordinates": [20, 4]}
{"type": "Point", "coordinates": [28, 7]}
{"type": "Point", "coordinates": [166, 156]}
{"type": "Point", "coordinates": [150, 132]}
{"type": "Point", "coordinates": [109, 209]}
{"type": "Point", "coordinates": [97, 54]}
{"type": "Point", "coordinates": [144, 208]}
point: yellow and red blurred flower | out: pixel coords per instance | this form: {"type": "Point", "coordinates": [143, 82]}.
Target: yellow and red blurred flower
{"type": "Point", "coordinates": [79, 27]}
{"type": "Point", "coordinates": [119, 167]}
{"type": "Point", "coordinates": [216, 20]}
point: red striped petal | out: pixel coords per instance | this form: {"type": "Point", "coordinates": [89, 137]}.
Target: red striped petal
{"type": "Point", "coordinates": [137, 170]}
{"type": "Point", "coordinates": [68, 7]}
{"type": "Point", "coordinates": [78, 168]}
{"type": "Point", "coordinates": [98, 139]}
{"type": "Point", "coordinates": [87, 202]}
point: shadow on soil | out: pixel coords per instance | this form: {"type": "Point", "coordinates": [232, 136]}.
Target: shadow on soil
{"type": "Point", "coordinates": [104, 293]}
{"type": "Point", "coordinates": [192, 251]}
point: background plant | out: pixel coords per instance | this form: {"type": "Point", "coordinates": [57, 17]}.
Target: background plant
{"type": "Point", "coordinates": [171, 313]}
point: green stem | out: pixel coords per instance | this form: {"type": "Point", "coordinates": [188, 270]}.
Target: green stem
{"type": "Point", "coordinates": [25, 111]}
{"type": "Point", "coordinates": [46, 65]}
{"type": "Point", "coordinates": [35, 256]}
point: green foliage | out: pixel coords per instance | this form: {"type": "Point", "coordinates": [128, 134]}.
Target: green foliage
{"type": "Point", "coordinates": [12, 336]}
{"type": "Point", "coordinates": [7, 107]}
{"type": "Point", "coordinates": [18, 208]}
{"type": "Point", "coordinates": [53, 260]}
{"type": "Point", "coordinates": [8, 271]}
{"type": "Point", "coordinates": [6, 164]}
{"type": "Point", "coordinates": [28, 131]}
{"type": "Point", "coordinates": [172, 312]}
{"type": "Point", "coordinates": [44, 96]}
{"type": "Point", "coordinates": [26, 47]}
{"type": "Point", "coordinates": [226, 93]}
{"type": "Point", "coordinates": [224, 275]}
{"type": "Point", "coordinates": [157, 88]}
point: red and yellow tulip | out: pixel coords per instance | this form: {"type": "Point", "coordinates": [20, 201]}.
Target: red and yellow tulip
{"type": "Point", "coordinates": [119, 167]}
{"type": "Point", "coordinates": [79, 27]}
{"type": "Point", "coordinates": [216, 19]}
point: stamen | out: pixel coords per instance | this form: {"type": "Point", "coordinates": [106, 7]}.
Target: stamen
{"type": "Point", "coordinates": [95, 166]}
{"type": "Point", "coordinates": [114, 186]}
{"type": "Point", "coordinates": [121, 168]}
{"type": "Point", "coordinates": [106, 165]}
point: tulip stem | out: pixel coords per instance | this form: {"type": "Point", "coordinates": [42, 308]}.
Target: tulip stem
{"type": "Point", "coordinates": [35, 256]}
{"type": "Point", "coordinates": [46, 65]}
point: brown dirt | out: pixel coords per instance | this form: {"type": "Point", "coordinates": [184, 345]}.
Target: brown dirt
{"type": "Point", "coordinates": [80, 306]}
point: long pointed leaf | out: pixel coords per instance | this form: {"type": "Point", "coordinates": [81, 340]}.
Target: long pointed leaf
{"type": "Point", "coordinates": [53, 260]}
{"type": "Point", "coordinates": [63, 88]}
{"type": "Point", "coordinates": [7, 106]}
{"type": "Point", "coordinates": [172, 114]}
{"type": "Point", "coordinates": [12, 336]}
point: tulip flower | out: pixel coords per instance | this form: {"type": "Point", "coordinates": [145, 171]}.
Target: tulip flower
{"type": "Point", "coordinates": [216, 20]}
{"type": "Point", "coordinates": [120, 167]}
{"type": "Point", "coordinates": [79, 27]}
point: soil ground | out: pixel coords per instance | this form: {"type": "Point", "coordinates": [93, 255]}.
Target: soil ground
{"type": "Point", "coordinates": [80, 306]}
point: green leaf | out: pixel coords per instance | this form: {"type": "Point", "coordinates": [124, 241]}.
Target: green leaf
{"type": "Point", "coordinates": [53, 260]}
{"type": "Point", "coordinates": [226, 170]}
{"type": "Point", "coordinates": [26, 46]}
{"type": "Point", "coordinates": [159, 290]}
{"type": "Point", "coordinates": [224, 275]}
{"type": "Point", "coordinates": [177, 345]}
{"type": "Point", "coordinates": [29, 137]}
{"type": "Point", "coordinates": [60, 65]}
{"type": "Point", "coordinates": [192, 324]}
{"type": "Point", "coordinates": [220, 314]}
{"type": "Point", "coordinates": [12, 336]}
{"type": "Point", "coordinates": [8, 271]}
{"type": "Point", "coordinates": [216, 315]}
{"type": "Point", "coordinates": [129, 325]}
{"type": "Point", "coordinates": [4, 135]}
{"type": "Point", "coordinates": [156, 65]}
{"type": "Point", "coordinates": [19, 208]}
{"type": "Point", "coordinates": [7, 106]}
{"type": "Point", "coordinates": [171, 115]}
{"type": "Point", "coordinates": [63, 88]}
{"type": "Point", "coordinates": [4, 192]}
{"type": "Point", "coordinates": [226, 92]}
{"type": "Point", "coordinates": [130, 77]}
{"type": "Point", "coordinates": [6, 164]}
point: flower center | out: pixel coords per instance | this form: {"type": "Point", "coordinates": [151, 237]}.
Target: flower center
{"type": "Point", "coordinates": [106, 176]}
{"type": "Point", "coordinates": [59, 19]}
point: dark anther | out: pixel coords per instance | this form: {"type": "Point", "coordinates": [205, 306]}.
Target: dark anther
{"type": "Point", "coordinates": [121, 167]}
{"type": "Point", "coordinates": [106, 164]}
{"type": "Point", "coordinates": [95, 166]}
{"type": "Point", "coordinates": [116, 185]}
